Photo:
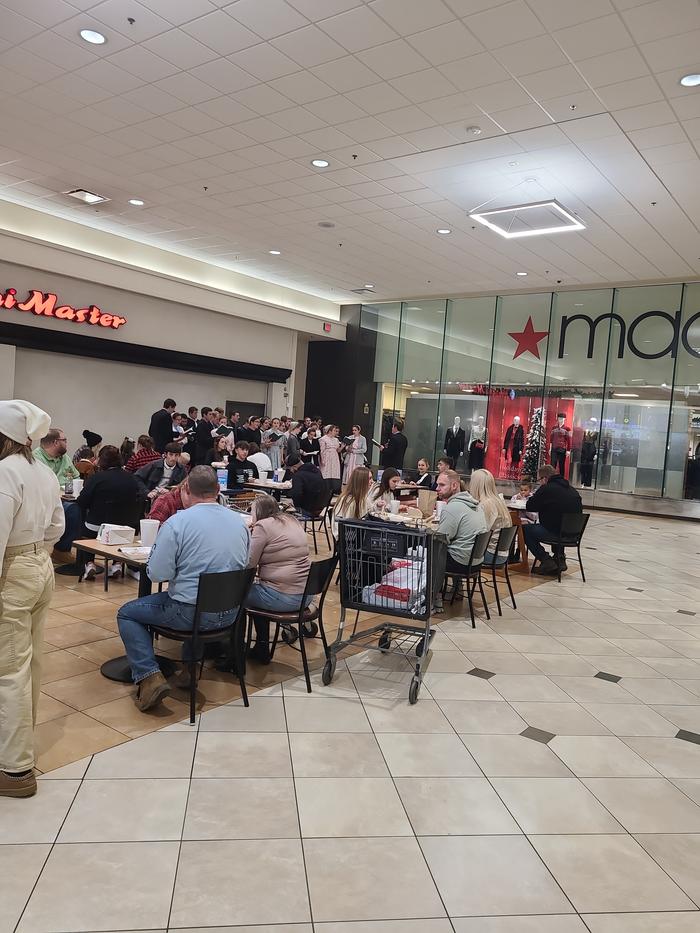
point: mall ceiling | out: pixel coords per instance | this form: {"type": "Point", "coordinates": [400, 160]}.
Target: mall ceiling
{"type": "Point", "coordinates": [210, 112]}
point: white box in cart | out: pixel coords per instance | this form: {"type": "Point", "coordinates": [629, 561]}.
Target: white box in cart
{"type": "Point", "coordinates": [116, 534]}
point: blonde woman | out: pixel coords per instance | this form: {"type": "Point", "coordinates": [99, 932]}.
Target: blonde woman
{"type": "Point", "coordinates": [353, 502]}
{"type": "Point", "coordinates": [482, 487]}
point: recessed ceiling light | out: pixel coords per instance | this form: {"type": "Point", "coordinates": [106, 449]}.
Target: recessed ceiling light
{"type": "Point", "coordinates": [474, 130]}
{"type": "Point", "coordinates": [87, 197]}
{"type": "Point", "coordinates": [368, 285]}
{"type": "Point", "coordinates": [690, 80]}
{"type": "Point", "coordinates": [625, 395]}
{"type": "Point", "coordinates": [92, 36]}
{"type": "Point", "coordinates": [513, 164]}
{"type": "Point", "coordinates": [137, 202]}
{"type": "Point", "coordinates": [275, 252]}
{"type": "Point", "coordinates": [523, 220]}
{"type": "Point", "coordinates": [521, 273]}
{"type": "Point", "coordinates": [320, 163]}
{"type": "Point", "coordinates": [443, 231]}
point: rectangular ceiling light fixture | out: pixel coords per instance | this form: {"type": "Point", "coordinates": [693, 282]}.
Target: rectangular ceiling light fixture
{"type": "Point", "coordinates": [536, 219]}
{"type": "Point", "coordinates": [87, 197]}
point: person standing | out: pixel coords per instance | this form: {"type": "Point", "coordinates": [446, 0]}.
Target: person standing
{"type": "Point", "coordinates": [273, 443]}
{"type": "Point", "coordinates": [31, 521]}
{"type": "Point", "coordinates": [161, 426]}
{"type": "Point", "coordinates": [329, 445]}
{"type": "Point", "coordinates": [310, 447]}
{"type": "Point", "coordinates": [394, 450]}
{"type": "Point", "coordinates": [203, 435]}
{"type": "Point", "coordinates": [251, 431]}
{"type": "Point", "coordinates": [356, 452]}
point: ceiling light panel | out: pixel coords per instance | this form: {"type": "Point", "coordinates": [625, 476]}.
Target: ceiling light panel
{"type": "Point", "coordinates": [526, 220]}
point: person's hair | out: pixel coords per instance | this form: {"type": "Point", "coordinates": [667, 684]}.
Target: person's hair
{"type": "Point", "coordinates": [145, 441]}
{"type": "Point", "coordinates": [184, 457]}
{"type": "Point", "coordinates": [169, 403]}
{"type": "Point", "coordinates": [179, 414]}
{"type": "Point", "coordinates": [449, 461]}
{"type": "Point", "coordinates": [452, 476]}
{"type": "Point", "coordinates": [387, 475]}
{"type": "Point", "coordinates": [398, 424]}
{"type": "Point", "coordinates": [525, 481]}
{"type": "Point", "coordinates": [220, 410]}
{"type": "Point", "coordinates": [329, 427]}
{"type": "Point", "coordinates": [350, 503]}
{"type": "Point", "coordinates": [83, 453]}
{"type": "Point", "coordinates": [425, 461]}
{"type": "Point", "coordinates": [127, 448]}
{"type": "Point", "coordinates": [253, 448]}
{"type": "Point", "coordinates": [242, 445]}
{"type": "Point", "coordinates": [205, 410]}
{"type": "Point", "coordinates": [546, 472]}
{"type": "Point", "coordinates": [217, 444]}
{"type": "Point", "coordinates": [8, 447]}
{"type": "Point", "coordinates": [191, 409]}
{"type": "Point", "coordinates": [293, 425]}
{"type": "Point", "coordinates": [172, 448]}
{"type": "Point", "coordinates": [482, 487]}
{"type": "Point", "coordinates": [109, 458]}
{"type": "Point", "coordinates": [51, 438]}
{"type": "Point", "coordinates": [266, 507]}
{"type": "Point", "coordinates": [202, 482]}
{"type": "Point", "coordinates": [358, 427]}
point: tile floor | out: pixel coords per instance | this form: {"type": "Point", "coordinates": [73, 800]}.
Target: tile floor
{"type": "Point", "coordinates": [524, 793]}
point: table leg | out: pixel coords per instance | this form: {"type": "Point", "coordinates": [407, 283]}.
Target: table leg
{"type": "Point", "coordinates": [522, 564]}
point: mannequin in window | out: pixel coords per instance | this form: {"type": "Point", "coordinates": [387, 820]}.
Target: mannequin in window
{"type": "Point", "coordinates": [588, 457]}
{"type": "Point", "coordinates": [478, 444]}
{"type": "Point", "coordinates": [454, 440]}
{"type": "Point", "coordinates": [514, 442]}
{"type": "Point", "coordinates": [560, 444]}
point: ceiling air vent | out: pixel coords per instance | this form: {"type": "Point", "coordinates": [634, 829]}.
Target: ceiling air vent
{"type": "Point", "coordinates": [87, 197]}
{"type": "Point", "coordinates": [362, 291]}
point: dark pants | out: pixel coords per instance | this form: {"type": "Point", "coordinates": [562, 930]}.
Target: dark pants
{"type": "Point", "coordinates": [74, 527]}
{"type": "Point", "coordinates": [586, 473]}
{"type": "Point", "coordinates": [534, 534]}
{"type": "Point", "coordinates": [559, 460]}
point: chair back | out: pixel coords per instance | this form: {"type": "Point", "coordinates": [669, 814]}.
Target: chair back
{"type": "Point", "coordinates": [221, 592]}
{"type": "Point", "coordinates": [505, 539]}
{"type": "Point", "coordinates": [320, 576]}
{"type": "Point", "coordinates": [481, 543]}
{"type": "Point", "coordinates": [573, 525]}
{"type": "Point", "coordinates": [119, 512]}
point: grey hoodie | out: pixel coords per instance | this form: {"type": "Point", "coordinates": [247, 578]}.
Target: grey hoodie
{"type": "Point", "coordinates": [461, 521]}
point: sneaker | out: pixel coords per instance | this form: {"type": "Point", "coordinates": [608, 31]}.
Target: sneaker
{"type": "Point", "coordinates": [151, 690]}
{"type": "Point", "coordinates": [115, 570]}
{"type": "Point", "coordinates": [90, 571]}
{"type": "Point", "coordinates": [14, 785]}
{"type": "Point", "coordinates": [134, 574]}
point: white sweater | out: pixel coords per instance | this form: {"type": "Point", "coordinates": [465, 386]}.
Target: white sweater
{"type": "Point", "coordinates": [30, 504]}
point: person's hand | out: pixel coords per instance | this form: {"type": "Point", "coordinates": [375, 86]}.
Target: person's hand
{"type": "Point", "coordinates": [152, 494]}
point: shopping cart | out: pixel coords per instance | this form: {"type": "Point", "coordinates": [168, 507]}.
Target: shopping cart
{"type": "Point", "coordinates": [386, 569]}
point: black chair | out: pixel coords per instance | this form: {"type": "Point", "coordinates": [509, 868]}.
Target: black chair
{"type": "Point", "coordinates": [317, 583]}
{"type": "Point", "coordinates": [119, 514]}
{"type": "Point", "coordinates": [502, 549]}
{"type": "Point", "coordinates": [472, 575]}
{"type": "Point", "coordinates": [320, 519]}
{"type": "Point", "coordinates": [217, 592]}
{"type": "Point", "coordinates": [573, 525]}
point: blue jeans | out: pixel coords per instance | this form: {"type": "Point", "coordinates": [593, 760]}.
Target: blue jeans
{"type": "Point", "coordinates": [533, 539]}
{"type": "Point", "coordinates": [74, 527]}
{"type": "Point", "coordinates": [159, 609]}
{"type": "Point", "coordinates": [263, 596]}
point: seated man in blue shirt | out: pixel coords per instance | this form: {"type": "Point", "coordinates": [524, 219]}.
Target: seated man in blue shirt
{"type": "Point", "coordinates": [204, 538]}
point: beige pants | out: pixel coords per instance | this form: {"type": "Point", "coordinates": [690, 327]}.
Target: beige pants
{"type": "Point", "coordinates": [26, 585]}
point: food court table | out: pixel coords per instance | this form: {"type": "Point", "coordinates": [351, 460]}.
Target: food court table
{"type": "Point", "coordinates": [118, 668]}
{"type": "Point", "coordinates": [516, 509]}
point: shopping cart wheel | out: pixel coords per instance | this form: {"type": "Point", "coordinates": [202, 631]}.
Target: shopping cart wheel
{"type": "Point", "coordinates": [419, 644]}
{"type": "Point", "coordinates": [413, 691]}
{"type": "Point", "coordinates": [328, 671]}
{"type": "Point", "coordinates": [384, 642]}
{"type": "Point", "coordinates": [289, 634]}
{"type": "Point", "coordinates": [310, 629]}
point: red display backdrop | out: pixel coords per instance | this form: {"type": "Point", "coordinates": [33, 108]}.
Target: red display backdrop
{"type": "Point", "coordinates": [502, 410]}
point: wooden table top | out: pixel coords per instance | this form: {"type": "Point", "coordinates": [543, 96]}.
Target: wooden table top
{"type": "Point", "coordinates": [111, 550]}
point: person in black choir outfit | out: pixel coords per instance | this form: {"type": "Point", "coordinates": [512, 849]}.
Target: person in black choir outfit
{"type": "Point", "coordinates": [251, 432]}
{"type": "Point", "coordinates": [311, 447]}
{"type": "Point", "coordinates": [202, 435]}
{"type": "Point", "coordinates": [161, 426]}
{"type": "Point", "coordinates": [394, 450]}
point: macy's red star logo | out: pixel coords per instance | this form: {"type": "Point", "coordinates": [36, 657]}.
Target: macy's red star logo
{"type": "Point", "coordinates": [528, 340]}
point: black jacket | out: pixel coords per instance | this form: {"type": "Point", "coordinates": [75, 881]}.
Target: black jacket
{"type": "Point", "coordinates": [161, 429]}
{"type": "Point", "coordinates": [203, 441]}
{"type": "Point", "coordinates": [252, 435]}
{"type": "Point", "coordinates": [111, 496]}
{"type": "Point", "coordinates": [243, 470]}
{"type": "Point", "coordinates": [149, 476]}
{"type": "Point", "coordinates": [394, 451]}
{"type": "Point", "coordinates": [309, 490]}
{"type": "Point", "coordinates": [552, 500]}
{"type": "Point", "coordinates": [454, 444]}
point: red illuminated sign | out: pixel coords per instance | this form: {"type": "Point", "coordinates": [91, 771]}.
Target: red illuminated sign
{"type": "Point", "coordinates": [46, 304]}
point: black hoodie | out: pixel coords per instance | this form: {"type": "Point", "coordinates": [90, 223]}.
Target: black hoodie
{"type": "Point", "coordinates": [552, 500]}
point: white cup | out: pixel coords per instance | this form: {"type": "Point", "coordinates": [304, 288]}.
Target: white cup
{"type": "Point", "coordinates": [394, 506]}
{"type": "Point", "coordinates": [77, 487]}
{"type": "Point", "coordinates": [149, 530]}
{"type": "Point", "coordinates": [438, 509]}
{"type": "Point", "coordinates": [262, 474]}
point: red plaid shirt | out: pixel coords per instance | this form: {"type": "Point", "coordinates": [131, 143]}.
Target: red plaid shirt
{"type": "Point", "coordinates": [166, 505]}
{"type": "Point", "coordinates": [140, 459]}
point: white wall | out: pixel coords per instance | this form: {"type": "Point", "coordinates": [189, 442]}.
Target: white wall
{"type": "Point", "coordinates": [115, 399]}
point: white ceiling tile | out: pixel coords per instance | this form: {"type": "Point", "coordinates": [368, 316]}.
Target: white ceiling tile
{"type": "Point", "coordinates": [662, 18]}
{"type": "Point", "coordinates": [474, 71]}
{"type": "Point", "coordinates": [686, 107]}
{"type": "Point", "coordinates": [676, 52]}
{"type": "Point", "coordinates": [298, 120]}
{"type": "Point", "coordinates": [221, 33]}
{"type": "Point", "coordinates": [193, 120]}
{"type": "Point", "coordinates": [321, 9]}
{"type": "Point", "coordinates": [597, 127]}
{"type": "Point", "coordinates": [108, 76]}
{"type": "Point", "coordinates": [264, 61]}
{"type": "Point", "coordinates": [406, 119]}
{"type": "Point", "coordinates": [178, 12]}
{"type": "Point", "coordinates": [45, 12]}
{"type": "Point", "coordinates": [269, 19]}
{"type": "Point", "coordinates": [500, 96]}
{"type": "Point", "coordinates": [345, 74]}
{"type": "Point", "coordinates": [226, 110]}
{"type": "Point", "coordinates": [424, 85]}
{"type": "Point", "coordinates": [143, 64]}
{"type": "Point", "coordinates": [638, 118]}
{"type": "Point", "coordinates": [433, 138]}
{"type": "Point", "coordinates": [335, 110]}
{"type": "Point", "coordinates": [666, 135]}
{"type": "Point", "coordinates": [309, 46]}
{"type": "Point", "coordinates": [546, 84]}
{"type": "Point", "coordinates": [409, 18]}
{"type": "Point", "coordinates": [357, 29]}
{"type": "Point", "coordinates": [327, 138]}
{"type": "Point", "coordinates": [630, 93]}
{"type": "Point", "coordinates": [669, 155]}
{"type": "Point", "coordinates": [520, 118]}
{"type": "Point", "coordinates": [263, 99]}
{"type": "Point", "coordinates": [392, 148]}
{"type": "Point", "coordinates": [17, 28]}
{"type": "Point", "coordinates": [530, 55]}
{"type": "Point", "coordinates": [228, 138]}
{"type": "Point", "coordinates": [446, 43]}
{"type": "Point", "coordinates": [692, 128]}
{"type": "Point", "coordinates": [146, 23]}
{"type": "Point", "coordinates": [302, 87]}
{"type": "Point", "coordinates": [179, 48]}
{"type": "Point", "coordinates": [507, 23]}
{"type": "Point", "coordinates": [558, 14]}
{"type": "Point", "coordinates": [393, 59]}
{"type": "Point", "coordinates": [79, 90]}
{"type": "Point", "coordinates": [187, 88]}
{"type": "Point", "coordinates": [613, 67]}
{"type": "Point", "coordinates": [448, 109]}
{"type": "Point", "coordinates": [224, 75]}
{"type": "Point", "coordinates": [377, 98]}
{"type": "Point", "coordinates": [596, 37]}
{"type": "Point", "coordinates": [364, 129]}
{"type": "Point", "coordinates": [580, 104]}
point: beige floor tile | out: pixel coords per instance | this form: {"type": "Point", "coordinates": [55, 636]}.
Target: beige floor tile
{"type": "Point", "coordinates": [647, 805]}
{"type": "Point", "coordinates": [92, 610]}
{"type": "Point", "coordinates": [51, 709]}
{"type": "Point", "coordinates": [459, 687]}
{"type": "Point", "coordinates": [336, 754]}
{"type": "Point", "coordinates": [632, 719]}
{"type": "Point", "coordinates": [623, 667]}
{"type": "Point", "coordinates": [19, 869]}
{"type": "Point", "coordinates": [608, 873]}
{"type": "Point", "coordinates": [514, 756]}
{"type": "Point", "coordinates": [676, 922]}
{"type": "Point", "coordinates": [537, 644]}
{"type": "Point", "coordinates": [74, 771]}
{"type": "Point", "coordinates": [564, 626]}
{"type": "Point", "coordinates": [325, 714]}
{"type": "Point", "coordinates": [271, 928]}
{"type": "Point", "coordinates": [61, 664]}
{"type": "Point", "coordinates": [554, 805]}
{"type": "Point", "coordinates": [61, 741]}
{"type": "Point", "coordinates": [369, 879]}
{"type": "Point", "coordinates": [108, 647]}
{"type": "Point", "coordinates": [562, 664]}
{"type": "Point", "coordinates": [481, 717]}
{"type": "Point", "coordinates": [241, 808]}
{"type": "Point", "coordinates": [399, 716]}
{"type": "Point", "coordinates": [469, 640]}
{"type": "Point", "coordinates": [454, 807]}
{"type": "Point", "coordinates": [522, 687]}
{"type": "Point", "coordinates": [448, 662]}
{"type": "Point", "coordinates": [415, 755]}
{"type": "Point", "coordinates": [591, 646]}
{"type": "Point", "coordinates": [160, 755]}
{"type": "Point", "coordinates": [376, 926]}
{"type": "Point", "coordinates": [65, 599]}
{"type": "Point", "coordinates": [508, 662]}
{"type": "Point", "coordinates": [679, 855]}
{"type": "Point", "coordinates": [77, 889]}
{"type": "Point", "coordinates": [204, 893]}
{"type": "Point", "coordinates": [552, 924]}
{"type": "Point", "coordinates": [265, 714]}
{"type": "Point", "coordinates": [560, 718]}
{"type": "Point", "coordinates": [341, 686]}
{"type": "Point", "coordinates": [690, 648]}
{"type": "Point", "coordinates": [600, 756]}
{"type": "Point", "coordinates": [85, 690]}
{"type": "Point", "coordinates": [468, 871]}
{"type": "Point", "coordinates": [75, 633]}
{"type": "Point", "coordinates": [673, 758]}
{"type": "Point", "coordinates": [123, 715]}
{"type": "Point", "coordinates": [684, 717]}
{"type": "Point", "coordinates": [660, 691]}
{"type": "Point", "coordinates": [390, 685]}
{"type": "Point", "coordinates": [39, 818]}
{"type": "Point", "coordinates": [645, 648]}
{"type": "Point", "coordinates": [350, 806]}
{"type": "Point", "coordinates": [242, 754]}
{"type": "Point", "coordinates": [593, 690]}
{"type": "Point", "coordinates": [677, 668]}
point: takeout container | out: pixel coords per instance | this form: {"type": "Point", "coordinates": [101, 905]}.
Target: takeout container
{"type": "Point", "coordinates": [116, 534]}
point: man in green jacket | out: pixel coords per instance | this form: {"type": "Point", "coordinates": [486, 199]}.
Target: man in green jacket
{"type": "Point", "coordinates": [52, 451]}
{"type": "Point", "coordinates": [461, 520]}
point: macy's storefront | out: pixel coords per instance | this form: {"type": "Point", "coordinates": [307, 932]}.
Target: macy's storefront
{"type": "Point", "coordinates": [603, 383]}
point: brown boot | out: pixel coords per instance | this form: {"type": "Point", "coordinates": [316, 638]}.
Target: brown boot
{"type": "Point", "coordinates": [181, 680]}
{"type": "Point", "coordinates": [151, 690]}
{"type": "Point", "coordinates": [62, 557]}
{"type": "Point", "coordinates": [17, 786]}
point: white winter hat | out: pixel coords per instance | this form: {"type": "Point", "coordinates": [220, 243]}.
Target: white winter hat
{"type": "Point", "coordinates": [22, 421]}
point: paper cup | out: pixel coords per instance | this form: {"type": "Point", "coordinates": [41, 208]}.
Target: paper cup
{"type": "Point", "coordinates": [262, 474]}
{"type": "Point", "coordinates": [438, 509]}
{"type": "Point", "coordinates": [394, 506]}
{"type": "Point", "coordinates": [77, 487]}
{"type": "Point", "coordinates": [149, 530]}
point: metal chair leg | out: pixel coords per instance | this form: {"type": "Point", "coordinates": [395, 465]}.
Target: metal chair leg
{"type": "Point", "coordinates": [580, 562]}
{"type": "Point", "coordinates": [495, 589]}
{"type": "Point", "coordinates": [325, 528]}
{"type": "Point", "coordinates": [483, 596]}
{"type": "Point", "coordinates": [106, 580]}
{"type": "Point", "coordinates": [193, 685]}
{"type": "Point", "coordinates": [510, 588]}
{"type": "Point", "coordinates": [305, 662]}
{"type": "Point", "coordinates": [470, 596]}
{"type": "Point", "coordinates": [313, 532]}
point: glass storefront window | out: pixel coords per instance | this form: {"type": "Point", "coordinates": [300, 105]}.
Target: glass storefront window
{"type": "Point", "coordinates": [383, 322]}
{"type": "Point", "coordinates": [682, 480]}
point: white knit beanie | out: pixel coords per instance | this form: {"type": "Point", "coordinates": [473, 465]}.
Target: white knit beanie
{"type": "Point", "coordinates": [22, 421]}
